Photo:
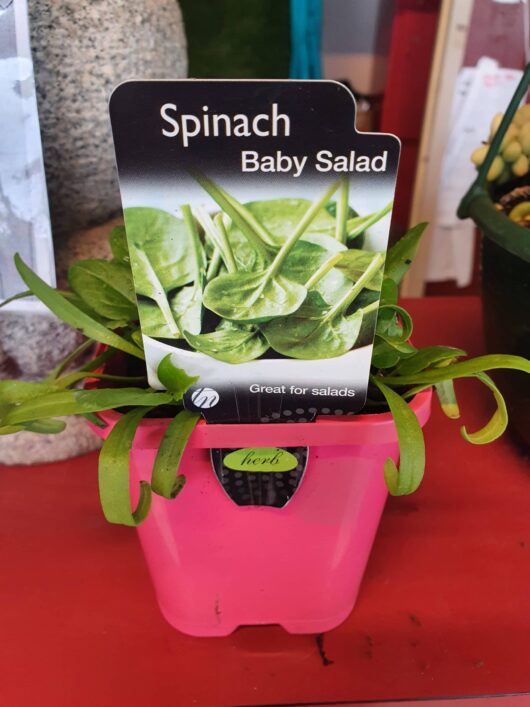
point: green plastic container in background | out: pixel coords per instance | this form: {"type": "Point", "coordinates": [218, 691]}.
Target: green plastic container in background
{"type": "Point", "coordinates": [505, 258]}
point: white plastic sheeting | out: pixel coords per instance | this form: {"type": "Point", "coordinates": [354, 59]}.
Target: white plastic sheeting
{"type": "Point", "coordinates": [24, 215]}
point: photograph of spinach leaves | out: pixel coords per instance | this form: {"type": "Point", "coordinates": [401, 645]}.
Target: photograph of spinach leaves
{"type": "Point", "coordinates": [277, 278]}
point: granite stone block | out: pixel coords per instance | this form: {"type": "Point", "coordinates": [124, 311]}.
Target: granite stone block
{"type": "Point", "coordinates": [31, 448]}
{"type": "Point", "coordinates": [81, 51]}
{"type": "Point", "coordinates": [32, 343]}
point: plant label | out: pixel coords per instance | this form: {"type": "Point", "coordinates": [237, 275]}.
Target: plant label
{"type": "Point", "coordinates": [257, 220]}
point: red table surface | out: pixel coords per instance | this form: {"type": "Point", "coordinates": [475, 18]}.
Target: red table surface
{"type": "Point", "coordinates": [444, 608]}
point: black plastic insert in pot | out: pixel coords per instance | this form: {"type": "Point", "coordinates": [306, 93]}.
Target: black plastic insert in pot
{"type": "Point", "coordinates": [506, 312]}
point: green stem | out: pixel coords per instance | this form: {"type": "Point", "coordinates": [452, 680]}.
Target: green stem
{"type": "Point", "coordinates": [372, 307]}
{"type": "Point", "coordinates": [114, 473]}
{"type": "Point", "coordinates": [198, 281]}
{"type": "Point", "coordinates": [191, 227]}
{"type": "Point", "coordinates": [19, 295]}
{"type": "Point", "coordinates": [250, 219]}
{"type": "Point", "coordinates": [159, 293]}
{"type": "Point", "coordinates": [323, 270]}
{"type": "Point", "coordinates": [355, 221]}
{"type": "Point", "coordinates": [223, 233]}
{"type": "Point", "coordinates": [365, 278]}
{"type": "Point", "coordinates": [226, 205]}
{"type": "Point", "coordinates": [341, 214]}
{"type": "Point", "coordinates": [463, 368]}
{"type": "Point", "coordinates": [367, 221]}
{"type": "Point", "coordinates": [218, 238]}
{"type": "Point", "coordinates": [99, 360]}
{"type": "Point", "coordinates": [52, 375]}
{"type": "Point", "coordinates": [300, 229]}
{"type": "Point", "coordinates": [215, 264]}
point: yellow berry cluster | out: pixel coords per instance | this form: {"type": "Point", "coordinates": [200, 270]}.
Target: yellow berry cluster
{"type": "Point", "coordinates": [514, 151]}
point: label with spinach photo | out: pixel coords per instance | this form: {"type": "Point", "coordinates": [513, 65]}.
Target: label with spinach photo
{"type": "Point", "coordinates": [257, 221]}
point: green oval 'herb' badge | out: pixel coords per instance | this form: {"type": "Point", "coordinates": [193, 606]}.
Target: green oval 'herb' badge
{"type": "Point", "coordinates": [264, 459]}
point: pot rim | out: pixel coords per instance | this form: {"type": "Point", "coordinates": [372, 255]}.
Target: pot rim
{"type": "Point", "coordinates": [325, 430]}
{"type": "Point", "coordinates": [377, 428]}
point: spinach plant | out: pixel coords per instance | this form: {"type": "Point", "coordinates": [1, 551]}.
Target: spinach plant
{"type": "Point", "coordinates": [105, 314]}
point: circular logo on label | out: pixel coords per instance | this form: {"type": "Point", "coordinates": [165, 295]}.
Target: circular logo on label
{"type": "Point", "coordinates": [205, 397]}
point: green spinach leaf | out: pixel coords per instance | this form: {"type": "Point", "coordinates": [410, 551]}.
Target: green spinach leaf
{"type": "Point", "coordinates": [163, 256]}
{"type": "Point", "coordinates": [74, 402]}
{"type": "Point", "coordinates": [354, 262]}
{"type": "Point", "coordinates": [427, 357]}
{"type": "Point", "coordinates": [118, 245]}
{"type": "Point", "coordinates": [231, 342]}
{"type": "Point", "coordinates": [154, 323]}
{"type": "Point", "coordinates": [280, 217]}
{"type": "Point", "coordinates": [105, 286]}
{"type": "Point", "coordinates": [306, 258]}
{"type": "Point", "coordinates": [460, 370]}
{"type": "Point", "coordinates": [253, 297]}
{"type": "Point", "coordinates": [446, 394]}
{"type": "Point", "coordinates": [384, 355]}
{"type": "Point", "coordinates": [218, 237]}
{"type": "Point", "coordinates": [394, 325]}
{"type": "Point", "coordinates": [71, 314]}
{"type": "Point", "coordinates": [174, 379]}
{"type": "Point", "coordinates": [257, 237]}
{"type": "Point", "coordinates": [331, 334]}
{"type": "Point", "coordinates": [411, 445]}
{"type": "Point", "coordinates": [165, 479]}
{"type": "Point", "coordinates": [311, 338]}
{"type": "Point", "coordinates": [258, 296]}
{"type": "Point", "coordinates": [359, 224]}
{"type": "Point", "coordinates": [186, 306]}
{"type": "Point", "coordinates": [400, 256]}
{"type": "Point", "coordinates": [167, 246]}
{"type": "Point", "coordinates": [497, 424]}
{"type": "Point", "coordinates": [113, 473]}
{"type": "Point", "coordinates": [15, 391]}
{"type": "Point", "coordinates": [389, 292]}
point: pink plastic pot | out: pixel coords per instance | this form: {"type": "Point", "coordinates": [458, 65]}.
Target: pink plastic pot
{"type": "Point", "coordinates": [216, 566]}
